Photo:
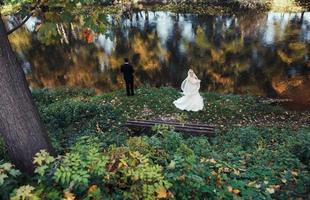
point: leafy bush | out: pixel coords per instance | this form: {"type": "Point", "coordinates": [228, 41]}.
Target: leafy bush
{"type": "Point", "coordinates": [70, 119]}
{"type": "Point", "coordinates": [100, 161]}
{"type": "Point", "coordinates": [45, 96]}
{"type": "Point", "coordinates": [86, 171]}
{"type": "Point", "coordinates": [299, 145]}
{"type": "Point", "coordinates": [9, 179]}
{"type": "Point", "coordinates": [134, 175]}
{"type": "Point", "coordinates": [167, 165]}
{"type": "Point", "coordinates": [25, 192]}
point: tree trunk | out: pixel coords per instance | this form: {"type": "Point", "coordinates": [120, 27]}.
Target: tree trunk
{"type": "Point", "coordinates": [20, 124]}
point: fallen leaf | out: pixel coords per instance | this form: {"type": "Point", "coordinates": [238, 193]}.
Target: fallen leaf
{"type": "Point", "coordinates": [92, 188]}
{"type": "Point", "coordinates": [69, 196]}
{"type": "Point", "coordinates": [270, 190]}
{"type": "Point", "coordinates": [161, 192]}
{"type": "Point", "coordinates": [294, 173]}
{"type": "Point", "coordinates": [251, 184]}
{"type": "Point", "coordinates": [236, 191]}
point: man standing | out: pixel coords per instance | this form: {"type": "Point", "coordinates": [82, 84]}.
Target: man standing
{"type": "Point", "coordinates": [128, 71]}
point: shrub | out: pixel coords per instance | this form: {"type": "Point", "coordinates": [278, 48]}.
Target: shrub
{"type": "Point", "coordinates": [9, 179]}
{"type": "Point", "coordinates": [99, 161]}
{"type": "Point", "coordinates": [46, 96]}
{"type": "Point", "coordinates": [25, 192]}
{"type": "Point", "coordinates": [70, 119]}
{"type": "Point", "coordinates": [134, 175]}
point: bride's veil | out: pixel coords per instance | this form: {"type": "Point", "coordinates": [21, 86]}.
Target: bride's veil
{"type": "Point", "coordinates": [188, 87]}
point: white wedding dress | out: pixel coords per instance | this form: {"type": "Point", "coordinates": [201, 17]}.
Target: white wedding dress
{"type": "Point", "coordinates": [191, 99]}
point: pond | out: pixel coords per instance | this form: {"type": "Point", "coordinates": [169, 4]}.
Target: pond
{"type": "Point", "coordinates": [263, 54]}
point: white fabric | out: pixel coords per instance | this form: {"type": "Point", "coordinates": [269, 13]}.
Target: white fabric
{"type": "Point", "coordinates": [191, 99]}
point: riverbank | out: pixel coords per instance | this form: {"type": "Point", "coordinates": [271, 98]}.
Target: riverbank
{"type": "Point", "coordinates": [210, 7]}
{"type": "Point", "coordinates": [156, 103]}
{"type": "Point", "coordinates": [204, 7]}
{"type": "Point", "coordinates": [259, 151]}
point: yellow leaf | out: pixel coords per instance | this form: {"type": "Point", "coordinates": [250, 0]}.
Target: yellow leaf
{"type": "Point", "coordinates": [134, 154]}
{"type": "Point", "coordinates": [251, 184]}
{"type": "Point", "coordinates": [237, 172]}
{"type": "Point", "coordinates": [68, 195]}
{"type": "Point", "coordinates": [123, 162]}
{"type": "Point", "coordinates": [161, 192]}
{"type": "Point", "coordinates": [294, 173]}
{"type": "Point", "coordinates": [230, 189]}
{"type": "Point", "coordinates": [119, 165]}
{"type": "Point", "coordinates": [236, 191]}
{"type": "Point", "coordinates": [92, 188]}
{"type": "Point", "coordinates": [284, 57]}
{"type": "Point", "coordinates": [297, 46]}
{"type": "Point", "coordinates": [210, 161]}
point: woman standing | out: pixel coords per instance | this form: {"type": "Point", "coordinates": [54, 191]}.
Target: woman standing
{"type": "Point", "coordinates": [191, 99]}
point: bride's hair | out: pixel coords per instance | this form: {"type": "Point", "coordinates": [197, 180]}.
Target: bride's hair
{"type": "Point", "coordinates": [191, 73]}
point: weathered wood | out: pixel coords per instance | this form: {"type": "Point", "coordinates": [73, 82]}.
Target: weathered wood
{"type": "Point", "coordinates": [192, 129]}
{"type": "Point", "coordinates": [161, 121]}
{"type": "Point", "coordinates": [175, 125]}
{"type": "Point", "coordinates": [188, 129]}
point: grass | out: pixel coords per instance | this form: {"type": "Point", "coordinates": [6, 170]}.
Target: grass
{"type": "Point", "coordinates": [222, 110]}
{"type": "Point", "coordinates": [260, 150]}
{"type": "Point", "coordinates": [71, 113]}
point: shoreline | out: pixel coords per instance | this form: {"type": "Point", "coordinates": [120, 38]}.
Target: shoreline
{"type": "Point", "coordinates": [229, 110]}
{"type": "Point", "coordinates": [205, 8]}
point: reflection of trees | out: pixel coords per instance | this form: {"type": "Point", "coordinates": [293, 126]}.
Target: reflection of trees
{"type": "Point", "coordinates": [238, 63]}
{"type": "Point", "coordinates": [229, 53]}
{"type": "Point", "coordinates": [220, 55]}
{"type": "Point", "coordinates": [143, 49]}
{"type": "Point", "coordinates": [20, 41]}
{"type": "Point", "coordinates": [285, 5]}
{"type": "Point", "coordinates": [56, 65]}
{"type": "Point", "coordinates": [295, 88]}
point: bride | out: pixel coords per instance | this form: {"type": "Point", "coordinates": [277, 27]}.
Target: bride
{"type": "Point", "coordinates": [191, 99]}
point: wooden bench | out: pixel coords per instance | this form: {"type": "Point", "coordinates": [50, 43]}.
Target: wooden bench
{"type": "Point", "coordinates": [192, 129]}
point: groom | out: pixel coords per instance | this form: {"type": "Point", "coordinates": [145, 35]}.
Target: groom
{"type": "Point", "coordinates": [127, 70]}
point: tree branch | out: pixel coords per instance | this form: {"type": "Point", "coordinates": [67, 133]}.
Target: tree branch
{"type": "Point", "coordinates": [19, 25]}
{"type": "Point", "coordinates": [24, 20]}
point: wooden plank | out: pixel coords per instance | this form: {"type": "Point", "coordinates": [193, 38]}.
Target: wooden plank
{"type": "Point", "coordinates": [175, 125]}
{"type": "Point", "coordinates": [170, 123]}
{"type": "Point", "coordinates": [182, 129]}
{"type": "Point", "coordinates": [193, 129]}
{"type": "Point", "coordinates": [177, 129]}
{"type": "Point", "coordinates": [164, 122]}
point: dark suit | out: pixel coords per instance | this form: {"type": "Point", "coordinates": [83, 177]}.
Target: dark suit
{"type": "Point", "coordinates": [128, 71]}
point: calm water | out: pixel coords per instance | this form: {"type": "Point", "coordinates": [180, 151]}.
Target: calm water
{"type": "Point", "coordinates": [263, 55]}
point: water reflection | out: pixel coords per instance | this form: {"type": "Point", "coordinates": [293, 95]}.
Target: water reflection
{"type": "Point", "coordinates": [264, 54]}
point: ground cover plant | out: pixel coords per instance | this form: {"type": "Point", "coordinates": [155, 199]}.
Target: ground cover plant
{"type": "Point", "coordinates": [261, 151]}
